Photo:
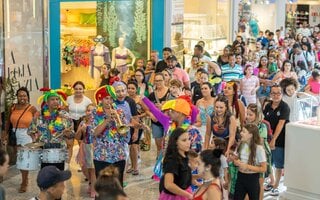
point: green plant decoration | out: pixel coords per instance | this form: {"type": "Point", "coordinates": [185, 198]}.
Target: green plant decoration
{"type": "Point", "coordinates": [140, 22]}
{"type": "Point", "coordinates": [112, 24]}
{"type": "Point", "coordinates": [11, 87]}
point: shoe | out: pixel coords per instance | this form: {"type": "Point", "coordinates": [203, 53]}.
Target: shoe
{"type": "Point", "coordinates": [129, 170]}
{"type": "Point", "coordinates": [23, 188]}
{"type": "Point", "coordinates": [274, 192]}
{"type": "Point", "coordinates": [135, 172]}
{"type": "Point", "coordinates": [268, 187]}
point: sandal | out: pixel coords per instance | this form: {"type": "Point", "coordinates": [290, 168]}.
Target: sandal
{"type": "Point", "coordinates": [135, 172]}
{"type": "Point", "coordinates": [130, 170]}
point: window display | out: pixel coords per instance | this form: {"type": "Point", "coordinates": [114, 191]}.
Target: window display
{"type": "Point", "coordinates": [91, 33]}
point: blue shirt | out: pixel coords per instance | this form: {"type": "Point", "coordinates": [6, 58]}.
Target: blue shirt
{"type": "Point", "coordinates": [228, 73]}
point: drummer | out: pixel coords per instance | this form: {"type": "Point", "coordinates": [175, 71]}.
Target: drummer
{"type": "Point", "coordinates": [52, 127]}
{"type": "Point", "coordinates": [21, 115]}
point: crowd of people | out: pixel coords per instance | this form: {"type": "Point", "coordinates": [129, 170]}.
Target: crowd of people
{"type": "Point", "coordinates": [218, 125]}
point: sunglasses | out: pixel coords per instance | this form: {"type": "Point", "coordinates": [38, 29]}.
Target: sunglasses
{"type": "Point", "coordinates": [99, 39]}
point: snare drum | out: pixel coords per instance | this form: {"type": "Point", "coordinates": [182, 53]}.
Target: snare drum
{"type": "Point", "coordinates": [54, 155]}
{"type": "Point", "coordinates": [28, 158]}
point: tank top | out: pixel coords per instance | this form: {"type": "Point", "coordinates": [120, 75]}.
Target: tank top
{"type": "Point", "coordinates": [204, 112]}
{"type": "Point", "coordinates": [211, 185]}
{"type": "Point", "coordinates": [25, 120]}
{"type": "Point", "coordinates": [221, 132]}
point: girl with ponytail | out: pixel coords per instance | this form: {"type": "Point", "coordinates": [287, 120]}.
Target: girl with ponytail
{"type": "Point", "coordinates": [209, 170]}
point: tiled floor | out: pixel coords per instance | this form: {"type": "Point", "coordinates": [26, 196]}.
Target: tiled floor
{"type": "Point", "coordinates": [140, 187]}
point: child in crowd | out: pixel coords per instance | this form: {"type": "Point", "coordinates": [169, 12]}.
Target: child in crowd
{"type": "Point", "coordinates": [85, 156]}
{"type": "Point", "coordinates": [209, 170]}
{"type": "Point", "coordinates": [108, 185]}
{"type": "Point", "coordinates": [114, 74]}
{"type": "Point", "coordinates": [249, 85]}
{"type": "Point", "coordinates": [193, 164]}
{"type": "Point", "coordinates": [150, 72]}
{"type": "Point", "coordinates": [255, 116]}
{"type": "Point", "coordinates": [251, 161]}
{"type": "Point", "coordinates": [221, 144]}
{"type": "Point", "coordinates": [195, 85]}
{"type": "Point", "coordinates": [272, 66]}
{"type": "Point", "coordinates": [176, 181]}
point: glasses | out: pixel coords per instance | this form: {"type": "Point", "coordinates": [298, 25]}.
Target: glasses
{"type": "Point", "coordinates": [118, 91]}
{"type": "Point", "coordinates": [276, 94]}
{"type": "Point", "coordinates": [157, 81]}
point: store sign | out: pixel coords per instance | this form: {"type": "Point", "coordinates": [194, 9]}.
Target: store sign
{"type": "Point", "coordinates": [24, 75]}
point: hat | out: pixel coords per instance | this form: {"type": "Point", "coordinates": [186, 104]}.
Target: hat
{"type": "Point", "coordinates": [51, 175]}
{"type": "Point", "coordinates": [172, 57]}
{"type": "Point", "coordinates": [47, 93]}
{"type": "Point", "coordinates": [179, 105]}
{"type": "Point", "coordinates": [104, 91]}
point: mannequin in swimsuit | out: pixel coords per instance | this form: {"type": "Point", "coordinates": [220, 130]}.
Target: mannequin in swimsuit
{"type": "Point", "coordinates": [100, 55]}
{"type": "Point", "coordinates": [120, 55]}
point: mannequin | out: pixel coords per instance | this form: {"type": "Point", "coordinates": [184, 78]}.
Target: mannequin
{"type": "Point", "coordinates": [120, 55]}
{"type": "Point", "coordinates": [100, 55]}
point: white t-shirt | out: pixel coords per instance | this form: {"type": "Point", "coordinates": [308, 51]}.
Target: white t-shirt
{"type": "Point", "coordinates": [224, 165]}
{"type": "Point", "coordinates": [245, 153]}
{"type": "Point", "coordinates": [77, 110]}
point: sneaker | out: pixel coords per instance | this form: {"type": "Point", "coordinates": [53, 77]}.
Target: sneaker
{"type": "Point", "coordinates": [268, 187]}
{"type": "Point", "coordinates": [274, 192]}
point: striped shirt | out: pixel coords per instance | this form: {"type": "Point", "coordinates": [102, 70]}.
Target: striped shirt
{"type": "Point", "coordinates": [228, 73]}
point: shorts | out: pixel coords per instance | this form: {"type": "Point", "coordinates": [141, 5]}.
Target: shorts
{"type": "Point", "coordinates": [278, 157]}
{"type": "Point", "coordinates": [157, 131]}
{"type": "Point", "coordinates": [139, 137]}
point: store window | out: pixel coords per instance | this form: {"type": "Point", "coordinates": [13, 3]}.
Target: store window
{"type": "Point", "coordinates": [194, 21]}
{"type": "Point", "coordinates": [25, 57]}
{"type": "Point", "coordinates": [93, 33]}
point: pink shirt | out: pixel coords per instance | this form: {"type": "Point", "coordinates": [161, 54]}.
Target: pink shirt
{"type": "Point", "coordinates": [249, 84]}
{"type": "Point", "coordinates": [314, 86]}
{"type": "Point", "coordinates": [181, 75]}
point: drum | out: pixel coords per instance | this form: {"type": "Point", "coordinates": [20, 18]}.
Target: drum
{"type": "Point", "coordinates": [54, 155]}
{"type": "Point", "coordinates": [29, 158]}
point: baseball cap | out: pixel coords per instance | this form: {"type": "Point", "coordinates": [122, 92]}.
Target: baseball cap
{"type": "Point", "coordinates": [179, 105]}
{"type": "Point", "coordinates": [51, 175]}
{"type": "Point", "coordinates": [172, 57]}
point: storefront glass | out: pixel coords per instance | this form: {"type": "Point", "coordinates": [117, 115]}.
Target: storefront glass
{"type": "Point", "coordinates": [1, 40]}
{"type": "Point", "coordinates": [194, 20]}
{"type": "Point", "coordinates": [126, 22]}
{"type": "Point", "coordinates": [24, 46]}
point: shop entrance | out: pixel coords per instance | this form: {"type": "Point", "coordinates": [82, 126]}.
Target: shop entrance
{"type": "Point", "coordinates": [77, 24]}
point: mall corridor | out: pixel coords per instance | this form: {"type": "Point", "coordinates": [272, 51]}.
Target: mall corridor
{"type": "Point", "coordinates": [140, 187]}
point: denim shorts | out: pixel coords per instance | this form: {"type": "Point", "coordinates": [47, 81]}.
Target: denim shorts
{"type": "Point", "coordinates": [278, 157]}
{"type": "Point", "coordinates": [157, 131]}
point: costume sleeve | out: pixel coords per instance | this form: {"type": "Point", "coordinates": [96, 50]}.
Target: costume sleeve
{"type": "Point", "coordinates": [162, 118]}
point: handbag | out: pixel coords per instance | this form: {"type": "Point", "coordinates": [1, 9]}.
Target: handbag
{"type": "Point", "coordinates": [12, 139]}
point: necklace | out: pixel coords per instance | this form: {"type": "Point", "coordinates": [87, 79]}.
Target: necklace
{"type": "Point", "coordinates": [208, 180]}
